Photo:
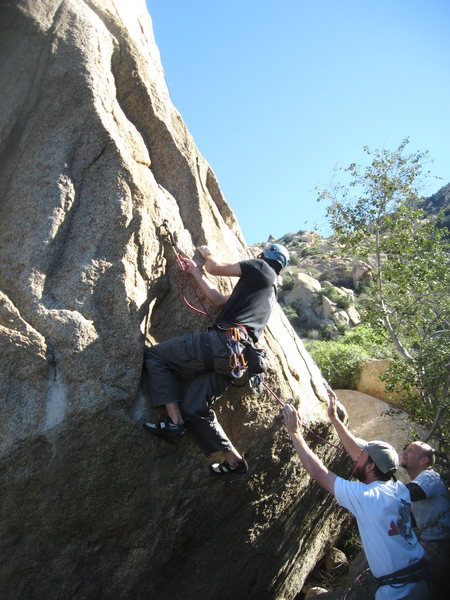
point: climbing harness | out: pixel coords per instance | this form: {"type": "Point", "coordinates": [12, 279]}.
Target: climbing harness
{"type": "Point", "coordinates": [412, 574]}
{"type": "Point", "coordinates": [363, 581]}
{"type": "Point", "coordinates": [238, 363]}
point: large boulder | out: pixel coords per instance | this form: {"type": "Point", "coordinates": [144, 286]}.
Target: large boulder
{"type": "Point", "coordinates": [339, 272]}
{"type": "Point", "coordinates": [96, 165]}
{"type": "Point", "coordinates": [304, 297]}
{"type": "Point", "coordinates": [305, 290]}
{"type": "Point", "coordinates": [362, 274]}
{"type": "Point", "coordinates": [370, 381]}
{"type": "Point", "coordinates": [314, 309]}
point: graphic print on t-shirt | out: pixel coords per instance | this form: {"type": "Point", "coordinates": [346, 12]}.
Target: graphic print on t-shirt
{"type": "Point", "coordinates": [403, 525]}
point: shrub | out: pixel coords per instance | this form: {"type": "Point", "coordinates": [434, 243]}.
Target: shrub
{"type": "Point", "coordinates": [376, 344]}
{"type": "Point", "coordinates": [287, 283]}
{"type": "Point", "coordinates": [339, 362]}
{"type": "Point", "coordinates": [341, 300]}
{"type": "Point", "coordinates": [329, 331]}
{"type": "Point", "coordinates": [311, 251]}
{"type": "Point", "coordinates": [292, 315]}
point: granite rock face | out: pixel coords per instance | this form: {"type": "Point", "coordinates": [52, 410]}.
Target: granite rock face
{"type": "Point", "coordinates": [94, 159]}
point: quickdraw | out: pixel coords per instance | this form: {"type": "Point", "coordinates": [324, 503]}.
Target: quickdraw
{"type": "Point", "coordinates": [237, 359]}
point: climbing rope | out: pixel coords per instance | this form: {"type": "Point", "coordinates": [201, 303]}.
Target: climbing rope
{"type": "Point", "coordinates": [278, 399]}
{"type": "Point", "coordinates": [181, 262]}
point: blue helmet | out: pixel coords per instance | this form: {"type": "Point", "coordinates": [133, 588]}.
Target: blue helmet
{"type": "Point", "coordinates": [277, 252]}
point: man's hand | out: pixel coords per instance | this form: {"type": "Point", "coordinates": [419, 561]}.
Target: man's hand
{"type": "Point", "coordinates": [332, 410]}
{"type": "Point", "coordinates": [204, 251]}
{"type": "Point", "coordinates": [221, 269]}
{"type": "Point", "coordinates": [345, 435]}
{"type": "Point", "coordinates": [310, 461]}
{"type": "Point", "coordinates": [189, 266]}
{"type": "Point", "coordinates": [292, 420]}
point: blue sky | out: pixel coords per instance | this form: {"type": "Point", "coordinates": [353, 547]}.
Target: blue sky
{"type": "Point", "coordinates": [278, 93]}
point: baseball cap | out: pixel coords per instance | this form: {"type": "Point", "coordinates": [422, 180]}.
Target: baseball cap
{"type": "Point", "coordinates": [383, 454]}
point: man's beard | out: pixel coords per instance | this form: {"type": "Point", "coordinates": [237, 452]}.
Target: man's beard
{"type": "Point", "coordinates": [359, 473]}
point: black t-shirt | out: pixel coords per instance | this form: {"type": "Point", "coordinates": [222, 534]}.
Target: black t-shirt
{"type": "Point", "coordinates": [252, 299]}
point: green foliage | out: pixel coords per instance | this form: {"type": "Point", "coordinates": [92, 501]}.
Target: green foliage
{"type": "Point", "coordinates": [375, 215]}
{"type": "Point", "coordinates": [329, 331]}
{"type": "Point", "coordinates": [292, 315]}
{"type": "Point", "coordinates": [311, 251]}
{"type": "Point", "coordinates": [341, 300]}
{"type": "Point", "coordinates": [287, 283]}
{"type": "Point", "coordinates": [359, 208]}
{"type": "Point", "coordinates": [294, 260]}
{"type": "Point", "coordinates": [340, 360]}
{"type": "Point", "coordinates": [424, 382]}
{"type": "Point", "coordinates": [374, 342]}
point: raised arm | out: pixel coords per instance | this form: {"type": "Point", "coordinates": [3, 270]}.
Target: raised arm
{"type": "Point", "coordinates": [345, 435]}
{"type": "Point", "coordinates": [310, 461]}
{"type": "Point", "coordinates": [216, 268]}
{"type": "Point", "coordinates": [209, 291]}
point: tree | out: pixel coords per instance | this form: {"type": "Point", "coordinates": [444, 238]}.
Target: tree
{"type": "Point", "coordinates": [375, 217]}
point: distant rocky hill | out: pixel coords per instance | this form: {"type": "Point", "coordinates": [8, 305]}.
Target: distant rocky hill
{"type": "Point", "coordinates": [440, 201]}
{"type": "Point", "coordinates": [320, 289]}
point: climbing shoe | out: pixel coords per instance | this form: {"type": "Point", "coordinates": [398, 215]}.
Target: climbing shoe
{"type": "Point", "coordinates": [223, 468]}
{"type": "Point", "coordinates": [166, 429]}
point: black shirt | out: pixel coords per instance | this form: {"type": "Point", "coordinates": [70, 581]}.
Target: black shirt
{"type": "Point", "coordinates": [252, 299]}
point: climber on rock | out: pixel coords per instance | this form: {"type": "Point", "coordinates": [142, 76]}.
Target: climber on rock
{"type": "Point", "coordinates": [205, 357]}
{"type": "Point", "coordinates": [380, 503]}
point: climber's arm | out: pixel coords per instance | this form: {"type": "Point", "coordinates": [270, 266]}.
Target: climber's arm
{"type": "Point", "coordinates": [345, 435]}
{"type": "Point", "coordinates": [216, 268]}
{"type": "Point", "coordinates": [210, 292]}
{"type": "Point", "coordinates": [312, 463]}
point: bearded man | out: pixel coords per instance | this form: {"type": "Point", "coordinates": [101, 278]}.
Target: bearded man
{"type": "Point", "coordinates": [380, 503]}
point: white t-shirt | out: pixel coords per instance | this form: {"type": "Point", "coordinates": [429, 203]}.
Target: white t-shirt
{"type": "Point", "coordinates": [433, 514]}
{"type": "Point", "coordinates": [383, 514]}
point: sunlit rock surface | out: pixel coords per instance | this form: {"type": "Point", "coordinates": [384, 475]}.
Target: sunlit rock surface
{"type": "Point", "coordinates": [94, 158]}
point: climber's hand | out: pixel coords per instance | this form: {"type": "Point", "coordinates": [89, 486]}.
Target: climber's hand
{"type": "Point", "coordinates": [205, 251]}
{"type": "Point", "coordinates": [332, 410]}
{"type": "Point", "coordinates": [188, 265]}
{"type": "Point", "coordinates": [292, 419]}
